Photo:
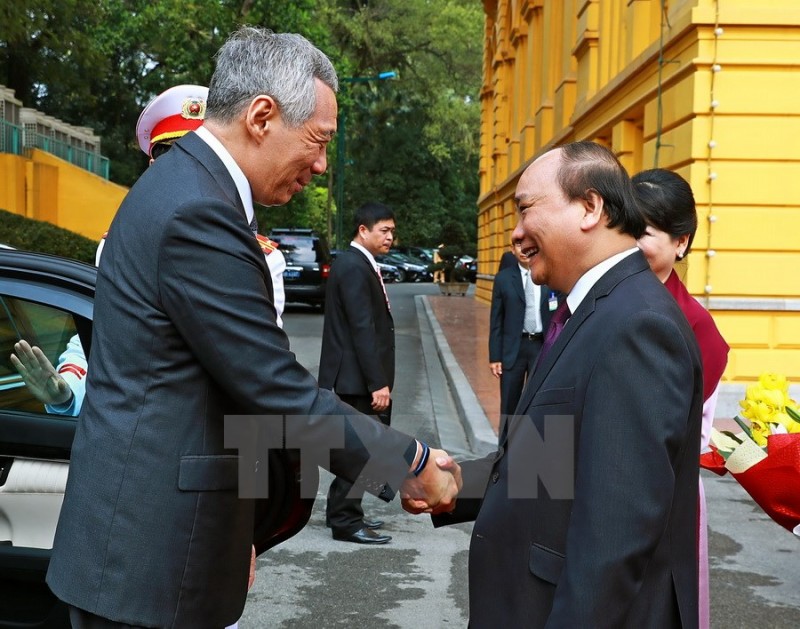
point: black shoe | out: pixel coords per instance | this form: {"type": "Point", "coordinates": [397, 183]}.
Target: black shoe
{"type": "Point", "coordinates": [372, 524]}
{"type": "Point", "coordinates": [362, 536]}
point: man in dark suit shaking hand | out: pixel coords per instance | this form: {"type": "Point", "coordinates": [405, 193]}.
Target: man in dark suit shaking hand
{"type": "Point", "coordinates": [155, 529]}
{"type": "Point", "coordinates": [357, 355]}
{"type": "Point", "coordinates": [588, 515]}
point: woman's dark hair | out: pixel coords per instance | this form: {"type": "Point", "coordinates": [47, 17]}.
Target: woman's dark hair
{"type": "Point", "coordinates": [666, 201]}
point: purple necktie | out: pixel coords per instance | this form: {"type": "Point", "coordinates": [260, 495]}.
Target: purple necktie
{"type": "Point", "coordinates": [557, 323]}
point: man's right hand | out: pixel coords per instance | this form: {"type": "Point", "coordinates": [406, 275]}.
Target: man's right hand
{"type": "Point", "coordinates": [39, 375]}
{"type": "Point", "coordinates": [381, 399]}
{"type": "Point", "coordinates": [436, 487]}
{"type": "Point", "coordinates": [496, 369]}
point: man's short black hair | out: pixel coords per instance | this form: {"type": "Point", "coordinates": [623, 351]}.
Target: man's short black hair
{"type": "Point", "coordinates": [159, 148]}
{"type": "Point", "coordinates": [371, 213]}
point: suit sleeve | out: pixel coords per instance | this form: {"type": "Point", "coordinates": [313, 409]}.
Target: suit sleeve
{"type": "Point", "coordinates": [475, 474]}
{"type": "Point", "coordinates": [634, 433]}
{"type": "Point", "coordinates": [496, 316]}
{"type": "Point", "coordinates": [359, 313]}
{"type": "Point", "coordinates": [213, 287]}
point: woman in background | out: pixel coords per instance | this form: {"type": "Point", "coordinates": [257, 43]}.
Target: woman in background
{"type": "Point", "coordinates": [667, 202]}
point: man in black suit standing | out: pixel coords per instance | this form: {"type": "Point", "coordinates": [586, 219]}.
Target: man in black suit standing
{"type": "Point", "coordinates": [588, 515]}
{"type": "Point", "coordinates": [520, 313]}
{"type": "Point", "coordinates": [357, 356]}
{"type": "Point", "coordinates": [186, 352]}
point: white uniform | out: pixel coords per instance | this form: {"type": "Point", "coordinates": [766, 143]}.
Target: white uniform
{"type": "Point", "coordinates": [72, 367]}
{"type": "Point", "coordinates": [277, 265]}
{"type": "Point", "coordinates": [72, 362]}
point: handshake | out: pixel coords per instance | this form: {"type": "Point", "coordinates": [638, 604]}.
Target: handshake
{"type": "Point", "coordinates": [434, 484]}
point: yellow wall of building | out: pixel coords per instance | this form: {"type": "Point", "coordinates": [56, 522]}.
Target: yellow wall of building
{"type": "Point", "coordinates": [46, 188]}
{"type": "Point", "coordinates": [41, 192]}
{"type": "Point", "coordinates": [86, 202]}
{"type": "Point", "coordinates": [12, 183]}
{"type": "Point", "coordinates": [708, 89]}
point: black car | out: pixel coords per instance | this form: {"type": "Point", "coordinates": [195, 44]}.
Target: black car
{"type": "Point", "coordinates": [411, 269]}
{"type": "Point", "coordinates": [45, 300]}
{"type": "Point", "coordinates": [421, 253]}
{"type": "Point", "coordinates": [308, 263]}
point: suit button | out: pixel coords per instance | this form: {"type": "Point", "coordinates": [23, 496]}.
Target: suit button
{"type": "Point", "coordinates": [495, 477]}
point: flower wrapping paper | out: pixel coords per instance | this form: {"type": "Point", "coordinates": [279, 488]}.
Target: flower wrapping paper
{"type": "Point", "coordinates": [773, 482]}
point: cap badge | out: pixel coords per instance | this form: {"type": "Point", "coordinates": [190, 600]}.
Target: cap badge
{"type": "Point", "coordinates": [194, 108]}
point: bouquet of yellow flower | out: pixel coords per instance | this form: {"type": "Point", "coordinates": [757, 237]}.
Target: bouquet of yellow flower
{"type": "Point", "coordinates": [765, 457]}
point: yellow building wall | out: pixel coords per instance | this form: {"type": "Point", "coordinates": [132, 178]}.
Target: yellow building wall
{"type": "Point", "coordinates": [12, 183]}
{"type": "Point", "coordinates": [84, 202]}
{"type": "Point", "coordinates": [46, 188]}
{"type": "Point", "coordinates": [708, 88]}
{"type": "Point", "coordinates": [41, 192]}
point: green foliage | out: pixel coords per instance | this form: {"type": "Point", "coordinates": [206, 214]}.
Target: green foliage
{"type": "Point", "coordinates": [306, 209]}
{"type": "Point", "coordinates": [412, 141]}
{"type": "Point", "coordinates": [24, 233]}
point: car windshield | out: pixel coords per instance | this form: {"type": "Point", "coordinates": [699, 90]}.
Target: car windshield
{"type": "Point", "coordinates": [299, 248]}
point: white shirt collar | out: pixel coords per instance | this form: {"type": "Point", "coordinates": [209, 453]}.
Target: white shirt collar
{"type": "Point", "coordinates": [525, 275]}
{"type": "Point", "coordinates": [370, 257]}
{"type": "Point", "coordinates": [589, 279]}
{"type": "Point", "coordinates": [242, 185]}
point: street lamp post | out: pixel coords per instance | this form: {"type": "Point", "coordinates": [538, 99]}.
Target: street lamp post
{"type": "Point", "coordinates": [341, 151]}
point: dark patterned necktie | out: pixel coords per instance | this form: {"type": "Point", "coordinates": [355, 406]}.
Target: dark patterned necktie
{"type": "Point", "coordinates": [557, 323]}
{"type": "Point", "coordinates": [254, 225]}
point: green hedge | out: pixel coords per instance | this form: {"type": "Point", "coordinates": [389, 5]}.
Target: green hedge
{"type": "Point", "coordinates": [24, 233]}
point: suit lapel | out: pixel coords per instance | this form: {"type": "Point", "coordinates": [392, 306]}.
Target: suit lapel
{"type": "Point", "coordinates": [516, 281]}
{"type": "Point", "coordinates": [365, 261]}
{"type": "Point", "coordinates": [632, 264]}
{"type": "Point", "coordinates": [376, 280]}
{"type": "Point", "coordinates": [209, 160]}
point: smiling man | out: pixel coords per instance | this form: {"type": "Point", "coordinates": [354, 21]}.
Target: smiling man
{"type": "Point", "coordinates": [589, 508]}
{"type": "Point", "coordinates": [153, 531]}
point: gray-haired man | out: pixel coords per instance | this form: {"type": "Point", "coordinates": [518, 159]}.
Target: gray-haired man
{"type": "Point", "coordinates": [153, 531]}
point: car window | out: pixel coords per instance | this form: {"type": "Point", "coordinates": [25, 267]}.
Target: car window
{"type": "Point", "coordinates": [299, 249]}
{"type": "Point", "coordinates": [49, 328]}
{"type": "Point", "coordinates": [303, 248]}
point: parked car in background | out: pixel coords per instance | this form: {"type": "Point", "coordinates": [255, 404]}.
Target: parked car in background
{"type": "Point", "coordinates": [389, 272]}
{"type": "Point", "coordinates": [410, 269]}
{"type": "Point", "coordinates": [308, 263]}
{"type": "Point", "coordinates": [470, 267]}
{"type": "Point", "coordinates": [422, 253]}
